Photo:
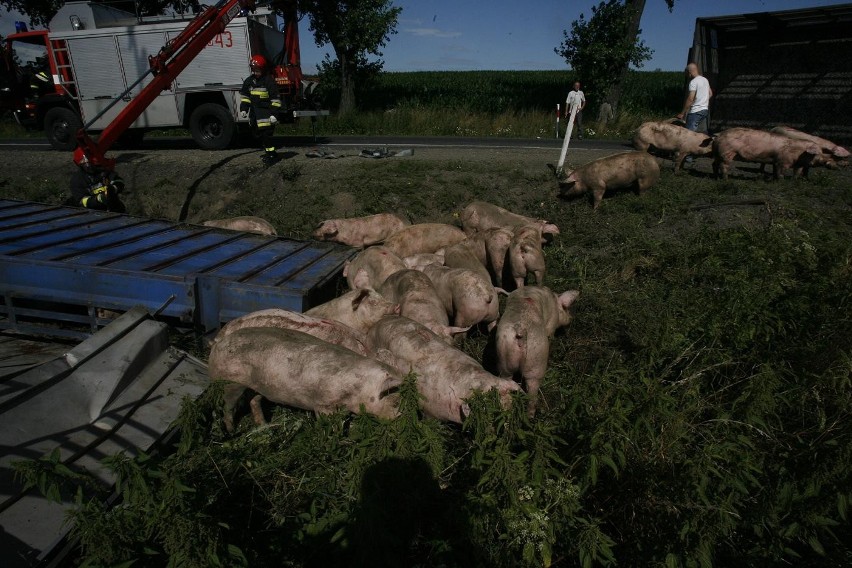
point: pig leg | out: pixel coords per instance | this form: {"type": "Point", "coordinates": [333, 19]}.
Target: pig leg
{"type": "Point", "coordinates": [679, 157]}
{"type": "Point", "coordinates": [598, 193]}
{"type": "Point", "coordinates": [257, 410]}
{"type": "Point", "coordinates": [534, 368]}
{"type": "Point", "coordinates": [232, 394]}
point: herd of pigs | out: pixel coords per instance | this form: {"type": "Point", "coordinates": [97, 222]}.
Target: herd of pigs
{"type": "Point", "coordinates": [415, 289]}
{"type": "Point", "coordinates": [783, 147]}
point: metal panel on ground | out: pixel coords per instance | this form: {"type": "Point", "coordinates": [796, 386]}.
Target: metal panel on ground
{"type": "Point", "coordinates": [59, 264]}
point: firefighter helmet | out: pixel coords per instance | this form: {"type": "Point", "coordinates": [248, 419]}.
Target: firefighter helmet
{"type": "Point", "coordinates": [257, 62]}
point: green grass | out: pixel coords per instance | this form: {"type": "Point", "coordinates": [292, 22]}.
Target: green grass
{"type": "Point", "coordinates": [696, 412]}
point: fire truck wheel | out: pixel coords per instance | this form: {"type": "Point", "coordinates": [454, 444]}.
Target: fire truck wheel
{"type": "Point", "coordinates": [61, 125]}
{"type": "Point", "coordinates": [212, 126]}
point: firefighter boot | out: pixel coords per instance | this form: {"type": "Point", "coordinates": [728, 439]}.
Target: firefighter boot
{"type": "Point", "coordinates": [270, 156]}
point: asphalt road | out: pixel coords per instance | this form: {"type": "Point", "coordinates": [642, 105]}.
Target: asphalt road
{"type": "Point", "coordinates": [182, 143]}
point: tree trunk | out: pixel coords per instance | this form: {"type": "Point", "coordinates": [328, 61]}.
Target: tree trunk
{"type": "Point", "coordinates": [613, 95]}
{"type": "Point", "coordinates": [347, 84]}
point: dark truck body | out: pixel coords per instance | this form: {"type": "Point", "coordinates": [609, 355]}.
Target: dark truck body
{"type": "Point", "coordinates": [791, 67]}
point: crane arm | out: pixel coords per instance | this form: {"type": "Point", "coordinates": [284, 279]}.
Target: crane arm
{"type": "Point", "coordinates": [166, 65]}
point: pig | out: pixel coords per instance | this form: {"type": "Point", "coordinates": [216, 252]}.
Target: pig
{"type": "Point", "coordinates": [446, 376]}
{"type": "Point", "coordinates": [619, 171]}
{"type": "Point", "coordinates": [481, 215]}
{"type": "Point", "coordinates": [467, 254]}
{"type": "Point", "coordinates": [751, 145]}
{"type": "Point", "coordinates": [423, 237]}
{"type": "Point", "coordinates": [531, 316]}
{"type": "Point", "coordinates": [326, 329]}
{"type": "Point", "coordinates": [418, 299]}
{"type": "Point", "coordinates": [247, 224]}
{"type": "Point", "coordinates": [423, 259]}
{"type": "Point", "coordinates": [467, 296]}
{"type": "Point", "coordinates": [829, 148]}
{"type": "Point", "coordinates": [377, 262]}
{"type": "Point", "coordinates": [490, 247]}
{"type": "Point", "coordinates": [526, 255]}
{"type": "Point", "coordinates": [358, 309]}
{"type": "Point", "coordinates": [296, 369]}
{"type": "Point", "coordinates": [359, 231]}
{"type": "Point", "coordinates": [669, 137]}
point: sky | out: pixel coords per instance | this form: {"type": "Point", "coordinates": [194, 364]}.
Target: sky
{"type": "Point", "coordinates": [461, 35]}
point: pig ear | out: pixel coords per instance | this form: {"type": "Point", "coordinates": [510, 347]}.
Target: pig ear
{"type": "Point", "coordinates": [549, 228]}
{"type": "Point", "coordinates": [706, 142]}
{"type": "Point", "coordinates": [346, 268]}
{"type": "Point", "coordinates": [568, 298]}
{"type": "Point", "coordinates": [361, 280]}
{"type": "Point", "coordinates": [360, 297]}
{"type": "Point", "coordinates": [452, 331]}
{"type": "Point", "coordinates": [500, 291]}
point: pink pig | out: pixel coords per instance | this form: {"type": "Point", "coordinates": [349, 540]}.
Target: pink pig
{"type": "Point", "coordinates": [467, 296]}
{"type": "Point", "coordinates": [481, 215]}
{"type": "Point", "coordinates": [359, 231]}
{"type": "Point", "coordinates": [670, 137]}
{"type": "Point", "coordinates": [763, 147]}
{"type": "Point", "coordinates": [376, 262]}
{"type": "Point", "coordinates": [423, 237]}
{"type": "Point", "coordinates": [247, 224]}
{"type": "Point", "coordinates": [418, 299]}
{"type": "Point", "coordinates": [531, 316]}
{"type": "Point", "coordinates": [619, 171]}
{"type": "Point", "coordinates": [358, 309]}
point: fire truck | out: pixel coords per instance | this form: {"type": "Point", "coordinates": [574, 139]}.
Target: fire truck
{"type": "Point", "coordinates": [121, 75]}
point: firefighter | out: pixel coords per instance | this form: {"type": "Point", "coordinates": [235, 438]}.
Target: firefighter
{"type": "Point", "coordinates": [258, 102]}
{"type": "Point", "coordinates": [95, 188]}
{"type": "Point", "coordinates": [40, 83]}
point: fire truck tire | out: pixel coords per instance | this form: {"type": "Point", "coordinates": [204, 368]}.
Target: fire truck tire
{"type": "Point", "coordinates": [212, 126]}
{"type": "Point", "coordinates": [61, 125]}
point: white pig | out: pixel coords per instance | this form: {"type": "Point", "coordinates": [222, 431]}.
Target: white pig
{"type": "Point", "coordinates": [423, 259]}
{"type": "Point", "coordinates": [446, 376]}
{"type": "Point", "coordinates": [763, 147]}
{"type": "Point", "coordinates": [326, 329]}
{"type": "Point", "coordinates": [296, 369]}
{"type": "Point", "coordinates": [358, 309]}
{"type": "Point", "coordinates": [526, 255]}
{"type": "Point", "coordinates": [481, 215]}
{"type": "Point", "coordinates": [531, 316]}
{"type": "Point", "coordinates": [827, 146]}
{"type": "Point", "coordinates": [248, 224]}
{"type": "Point", "coordinates": [418, 299]}
{"type": "Point", "coordinates": [359, 231]}
{"type": "Point", "coordinates": [467, 296]}
{"type": "Point", "coordinates": [619, 171]}
{"type": "Point", "coordinates": [377, 262]}
{"type": "Point", "coordinates": [423, 237]}
{"type": "Point", "coordinates": [670, 137]}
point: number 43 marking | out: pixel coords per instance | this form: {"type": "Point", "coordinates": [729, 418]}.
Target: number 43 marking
{"type": "Point", "coordinates": [223, 39]}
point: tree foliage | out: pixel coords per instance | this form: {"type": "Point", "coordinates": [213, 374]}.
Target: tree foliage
{"type": "Point", "coordinates": [355, 29]}
{"type": "Point", "coordinates": [598, 49]}
{"type": "Point", "coordinates": [40, 12]}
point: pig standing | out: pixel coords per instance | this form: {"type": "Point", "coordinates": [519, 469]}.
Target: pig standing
{"type": "Point", "coordinates": [377, 262]}
{"type": "Point", "coordinates": [359, 231]}
{"type": "Point", "coordinates": [531, 316]}
{"type": "Point", "coordinates": [446, 376]}
{"type": "Point", "coordinates": [751, 145]}
{"type": "Point", "coordinates": [423, 237]}
{"type": "Point", "coordinates": [247, 224]}
{"type": "Point", "coordinates": [468, 297]}
{"type": "Point", "coordinates": [358, 309]}
{"type": "Point", "coordinates": [828, 147]}
{"type": "Point", "coordinates": [620, 171]}
{"type": "Point", "coordinates": [296, 369]}
{"type": "Point", "coordinates": [670, 137]}
{"type": "Point", "coordinates": [526, 256]}
{"type": "Point", "coordinates": [328, 330]}
{"type": "Point", "coordinates": [481, 215]}
{"type": "Point", "coordinates": [418, 299]}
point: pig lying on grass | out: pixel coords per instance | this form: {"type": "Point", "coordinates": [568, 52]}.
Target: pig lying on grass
{"type": "Point", "coordinates": [329, 330]}
{"type": "Point", "coordinates": [670, 137]}
{"type": "Point", "coordinates": [358, 309]}
{"type": "Point", "coordinates": [620, 171]}
{"type": "Point", "coordinates": [751, 145]}
{"type": "Point", "coordinates": [359, 231]}
{"type": "Point", "coordinates": [423, 237]}
{"type": "Point", "coordinates": [531, 316]}
{"type": "Point", "coordinates": [296, 369]}
{"type": "Point", "coordinates": [247, 224]}
{"type": "Point", "coordinates": [481, 216]}
{"type": "Point", "coordinates": [446, 376]}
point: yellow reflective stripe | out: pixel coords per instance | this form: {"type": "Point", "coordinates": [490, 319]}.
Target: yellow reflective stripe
{"type": "Point", "coordinates": [245, 99]}
{"type": "Point", "coordinates": [84, 202]}
{"type": "Point", "coordinates": [276, 103]}
{"type": "Point", "coordinates": [270, 149]}
{"type": "Point", "coordinates": [99, 189]}
{"type": "Point", "coordinates": [263, 122]}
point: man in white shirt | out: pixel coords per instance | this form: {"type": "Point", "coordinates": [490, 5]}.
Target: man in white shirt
{"type": "Point", "coordinates": [576, 97]}
{"type": "Point", "coordinates": [697, 103]}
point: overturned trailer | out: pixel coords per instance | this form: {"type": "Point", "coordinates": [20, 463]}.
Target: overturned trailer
{"type": "Point", "coordinates": [790, 67]}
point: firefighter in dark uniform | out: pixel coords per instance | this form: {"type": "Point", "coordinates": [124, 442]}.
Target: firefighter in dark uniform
{"type": "Point", "coordinates": [40, 83]}
{"type": "Point", "coordinates": [258, 102]}
{"type": "Point", "coordinates": [94, 188]}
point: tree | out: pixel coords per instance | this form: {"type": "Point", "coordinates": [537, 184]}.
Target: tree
{"type": "Point", "coordinates": [354, 28]}
{"type": "Point", "coordinates": [601, 50]}
{"type": "Point", "coordinates": [41, 11]}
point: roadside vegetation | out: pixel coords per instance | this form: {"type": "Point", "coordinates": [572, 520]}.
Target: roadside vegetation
{"type": "Point", "coordinates": [695, 413]}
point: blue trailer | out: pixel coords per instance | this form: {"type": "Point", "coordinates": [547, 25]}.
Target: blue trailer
{"type": "Point", "coordinates": [59, 265]}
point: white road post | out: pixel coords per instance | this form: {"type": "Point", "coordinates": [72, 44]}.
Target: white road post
{"type": "Point", "coordinates": [557, 120]}
{"type": "Point", "coordinates": [568, 129]}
